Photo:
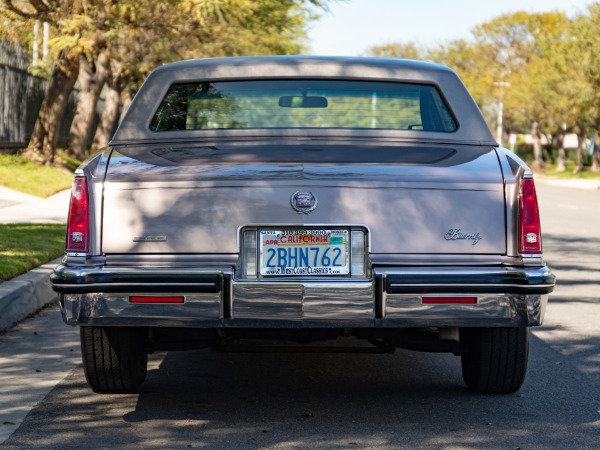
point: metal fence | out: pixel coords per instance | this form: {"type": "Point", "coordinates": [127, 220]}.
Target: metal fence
{"type": "Point", "coordinates": [21, 96]}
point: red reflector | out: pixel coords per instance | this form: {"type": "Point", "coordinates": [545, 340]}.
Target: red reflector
{"type": "Point", "coordinates": [530, 233]}
{"type": "Point", "coordinates": [78, 220]}
{"type": "Point", "coordinates": [154, 299]}
{"type": "Point", "coordinates": [446, 300]}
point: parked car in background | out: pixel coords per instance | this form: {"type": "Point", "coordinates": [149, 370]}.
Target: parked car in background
{"type": "Point", "coordinates": [296, 199]}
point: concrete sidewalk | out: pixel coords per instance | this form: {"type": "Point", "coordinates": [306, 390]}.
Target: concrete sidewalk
{"type": "Point", "coordinates": [588, 185]}
{"type": "Point", "coordinates": [16, 207]}
{"type": "Point", "coordinates": [31, 291]}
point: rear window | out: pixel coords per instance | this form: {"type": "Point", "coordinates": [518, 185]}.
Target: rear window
{"type": "Point", "coordinates": [302, 104]}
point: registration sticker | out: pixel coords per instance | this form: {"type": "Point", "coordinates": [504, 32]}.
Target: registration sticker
{"type": "Point", "coordinates": [304, 252]}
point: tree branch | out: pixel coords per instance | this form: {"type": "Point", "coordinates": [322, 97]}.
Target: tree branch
{"type": "Point", "coordinates": [41, 7]}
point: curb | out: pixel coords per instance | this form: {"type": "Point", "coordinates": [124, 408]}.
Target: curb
{"type": "Point", "coordinates": [26, 294]}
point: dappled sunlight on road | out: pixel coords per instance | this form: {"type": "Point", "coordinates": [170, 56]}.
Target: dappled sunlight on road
{"type": "Point", "coordinates": [572, 249]}
{"type": "Point", "coordinates": [34, 357]}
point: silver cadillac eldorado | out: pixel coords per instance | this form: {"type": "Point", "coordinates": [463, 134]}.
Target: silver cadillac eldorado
{"type": "Point", "coordinates": [291, 200]}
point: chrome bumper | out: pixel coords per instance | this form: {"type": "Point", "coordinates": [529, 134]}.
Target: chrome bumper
{"type": "Point", "coordinates": [391, 299]}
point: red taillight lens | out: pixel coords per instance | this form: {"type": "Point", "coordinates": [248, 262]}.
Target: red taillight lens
{"type": "Point", "coordinates": [78, 221]}
{"type": "Point", "coordinates": [154, 299]}
{"type": "Point", "coordinates": [530, 232]}
{"type": "Point", "coordinates": [448, 300]}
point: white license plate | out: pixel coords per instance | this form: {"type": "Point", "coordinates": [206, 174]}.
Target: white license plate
{"type": "Point", "coordinates": [304, 252]}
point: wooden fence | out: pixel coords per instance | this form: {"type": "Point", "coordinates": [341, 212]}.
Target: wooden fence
{"type": "Point", "coordinates": [21, 95]}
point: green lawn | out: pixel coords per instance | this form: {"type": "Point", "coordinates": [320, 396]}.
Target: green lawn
{"type": "Point", "coordinates": [585, 174]}
{"type": "Point", "coordinates": [31, 178]}
{"type": "Point", "coordinates": [25, 246]}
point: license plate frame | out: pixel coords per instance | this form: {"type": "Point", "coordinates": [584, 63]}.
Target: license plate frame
{"type": "Point", "coordinates": [304, 252]}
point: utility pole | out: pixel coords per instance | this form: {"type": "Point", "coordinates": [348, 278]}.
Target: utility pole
{"type": "Point", "coordinates": [499, 128]}
{"type": "Point", "coordinates": [36, 32]}
{"type": "Point", "coordinates": [45, 37]}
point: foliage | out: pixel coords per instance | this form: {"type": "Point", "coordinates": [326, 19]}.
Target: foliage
{"type": "Point", "coordinates": [25, 246]}
{"type": "Point", "coordinates": [409, 50]}
{"type": "Point", "coordinates": [25, 176]}
{"type": "Point", "coordinates": [138, 35]}
{"type": "Point", "coordinates": [543, 67]}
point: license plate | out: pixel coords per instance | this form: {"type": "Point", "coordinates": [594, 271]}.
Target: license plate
{"type": "Point", "coordinates": [304, 252]}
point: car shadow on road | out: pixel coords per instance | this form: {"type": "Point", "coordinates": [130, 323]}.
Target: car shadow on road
{"type": "Point", "coordinates": [220, 400]}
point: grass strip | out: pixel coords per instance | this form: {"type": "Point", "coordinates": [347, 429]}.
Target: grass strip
{"type": "Point", "coordinates": [25, 176]}
{"type": "Point", "coordinates": [26, 246]}
{"type": "Point", "coordinates": [569, 174]}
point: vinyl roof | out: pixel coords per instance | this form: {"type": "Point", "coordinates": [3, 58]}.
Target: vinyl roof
{"type": "Point", "coordinates": [472, 128]}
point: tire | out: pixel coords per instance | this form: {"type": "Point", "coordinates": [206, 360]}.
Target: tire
{"type": "Point", "coordinates": [114, 360]}
{"type": "Point", "coordinates": [495, 361]}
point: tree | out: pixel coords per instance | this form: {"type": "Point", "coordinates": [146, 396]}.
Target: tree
{"type": "Point", "coordinates": [136, 36]}
{"type": "Point", "coordinates": [110, 113]}
{"type": "Point", "coordinates": [64, 74]}
{"type": "Point", "coordinates": [408, 50]}
{"type": "Point", "coordinates": [92, 78]}
{"type": "Point", "coordinates": [585, 42]}
{"type": "Point", "coordinates": [518, 46]}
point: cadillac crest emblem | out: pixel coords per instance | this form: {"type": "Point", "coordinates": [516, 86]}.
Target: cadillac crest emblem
{"type": "Point", "coordinates": [303, 202]}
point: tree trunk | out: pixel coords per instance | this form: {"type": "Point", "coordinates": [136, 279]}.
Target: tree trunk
{"type": "Point", "coordinates": [562, 156]}
{"type": "Point", "coordinates": [110, 115]}
{"type": "Point", "coordinates": [596, 154]}
{"type": "Point", "coordinates": [537, 145]}
{"type": "Point", "coordinates": [42, 145]}
{"type": "Point", "coordinates": [580, 148]}
{"type": "Point", "coordinates": [126, 98]}
{"type": "Point", "coordinates": [92, 78]}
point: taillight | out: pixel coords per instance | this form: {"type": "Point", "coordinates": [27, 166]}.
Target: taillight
{"type": "Point", "coordinates": [530, 233]}
{"type": "Point", "coordinates": [78, 221]}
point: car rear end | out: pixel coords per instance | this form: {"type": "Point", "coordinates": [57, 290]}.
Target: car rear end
{"type": "Point", "coordinates": [195, 229]}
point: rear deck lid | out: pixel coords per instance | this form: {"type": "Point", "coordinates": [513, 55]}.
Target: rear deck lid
{"type": "Point", "coordinates": [426, 199]}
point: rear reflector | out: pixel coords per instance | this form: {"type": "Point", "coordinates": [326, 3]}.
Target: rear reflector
{"type": "Point", "coordinates": [530, 233]}
{"type": "Point", "coordinates": [153, 299]}
{"type": "Point", "coordinates": [78, 220]}
{"type": "Point", "coordinates": [447, 300]}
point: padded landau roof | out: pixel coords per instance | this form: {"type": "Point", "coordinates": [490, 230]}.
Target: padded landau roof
{"type": "Point", "coordinates": [472, 128]}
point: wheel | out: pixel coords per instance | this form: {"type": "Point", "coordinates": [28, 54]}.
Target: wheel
{"type": "Point", "coordinates": [495, 361]}
{"type": "Point", "coordinates": [113, 358]}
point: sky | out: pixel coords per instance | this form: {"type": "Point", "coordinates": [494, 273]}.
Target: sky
{"type": "Point", "coordinates": [351, 27]}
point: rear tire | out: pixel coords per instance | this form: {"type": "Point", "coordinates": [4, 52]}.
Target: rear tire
{"type": "Point", "coordinates": [114, 360]}
{"type": "Point", "coordinates": [496, 359]}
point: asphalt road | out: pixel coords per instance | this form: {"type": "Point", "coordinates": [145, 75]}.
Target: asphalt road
{"type": "Point", "coordinates": [201, 399]}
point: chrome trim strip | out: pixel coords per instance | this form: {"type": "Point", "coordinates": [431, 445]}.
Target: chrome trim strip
{"type": "Point", "coordinates": [136, 287]}
{"type": "Point", "coordinates": [69, 280]}
{"type": "Point", "coordinates": [496, 280]}
{"type": "Point", "coordinates": [142, 271]}
{"type": "Point", "coordinates": [467, 287]}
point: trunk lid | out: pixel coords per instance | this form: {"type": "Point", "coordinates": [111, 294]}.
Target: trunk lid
{"type": "Point", "coordinates": [426, 199]}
